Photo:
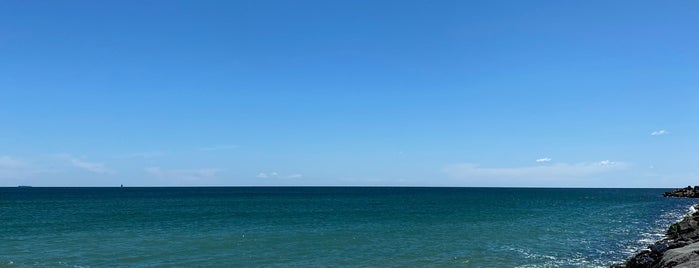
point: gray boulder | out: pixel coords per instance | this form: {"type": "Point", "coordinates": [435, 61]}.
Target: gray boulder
{"type": "Point", "coordinates": [683, 257]}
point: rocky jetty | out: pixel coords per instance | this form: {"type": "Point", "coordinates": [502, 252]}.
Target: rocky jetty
{"type": "Point", "coordinates": [680, 248]}
{"type": "Point", "coordinates": [689, 191]}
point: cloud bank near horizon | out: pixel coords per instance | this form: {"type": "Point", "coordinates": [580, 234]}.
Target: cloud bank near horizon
{"type": "Point", "coordinates": [466, 172]}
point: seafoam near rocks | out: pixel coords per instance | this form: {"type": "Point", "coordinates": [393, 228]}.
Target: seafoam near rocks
{"type": "Point", "coordinates": [679, 249]}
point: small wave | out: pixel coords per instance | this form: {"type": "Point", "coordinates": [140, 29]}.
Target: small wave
{"type": "Point", "coordinates": [551, 261]}
{"type": "Point", "coordinates": [658, 230]}
{"type": "Point", "coordinates": [679, 215]}
{"type": "Point", "coordinates": [65, 264]}
{"type": "Point", "coordinates": [648, 238]}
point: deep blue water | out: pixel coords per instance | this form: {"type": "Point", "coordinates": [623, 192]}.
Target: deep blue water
{"type": "Point", "coordinates": [329, 226]}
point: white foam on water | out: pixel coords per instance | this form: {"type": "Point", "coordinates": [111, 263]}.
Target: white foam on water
{"type": "Point", "coordinates": [552, 261]}
{"type": "Point", "coordinates": [65, 264]}
{"type": "Point", "coordinates": [648, 238]}
{"type": "Point", "coordinates": [658, 230]}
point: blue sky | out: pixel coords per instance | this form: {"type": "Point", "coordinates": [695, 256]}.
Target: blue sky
{"type": "Point", "coordinates": [418, 93]}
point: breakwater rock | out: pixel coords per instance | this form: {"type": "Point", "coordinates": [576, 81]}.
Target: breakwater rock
{"type": "Point", "coordinates": [689, 191]}
{"type": "Point", "coordinates": [680, 248]}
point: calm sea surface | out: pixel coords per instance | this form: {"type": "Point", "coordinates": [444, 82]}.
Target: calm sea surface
{"type": "Point", "coordinates": [329, 226]}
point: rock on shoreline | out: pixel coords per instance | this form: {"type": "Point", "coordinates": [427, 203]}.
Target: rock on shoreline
{"type": "Point", "coordinates": [680, 248]}
{"type": "Point", "coordinates": [689, 191]}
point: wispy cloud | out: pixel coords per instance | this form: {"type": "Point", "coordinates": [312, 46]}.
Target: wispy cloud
{"type": "Point", "coordinates": [94, 167]}
{"type": "Point", "coordinates": [265, 175]}
{"type": "Point", "coordinates": [659, 132]}
{"type": "Point", "coordinates": [219, 147]}
{"type": "Point", "coordinates": [90, 166]}
{"type": "Point", "coordinates": [544, 160]}
{"type": "Point", "coordinates": [146, 154]}
{"type": "Point", "coordinates": [294, 176]}
{"type": "Point", "coordinates": [555, 171]}
{"type": "Point", "coordinates": [606, 163]}
{"type": "Point", "coordinates": [190, 175]}
{"type": "Point", "coordinates": [11, 162]}
{"type": "Point", "coordinates": [12, 168]}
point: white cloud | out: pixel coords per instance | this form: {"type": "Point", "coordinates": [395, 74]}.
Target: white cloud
{"type": "Point", "coordinates": [146, 154]}
{"type": "Point", "coordinates": [558, 171]}
{"type": "Point", "coordinates": [184, 174]}
{"type": "Point", "coordinates": [294, 176]}
{"type": "Point", "coordinates": [88, 166]}
{"type": "Point", "coordinates": [264, 175]}
{"type": "Point", "coordinates": [659, 132]}
{"type": "Point", "coordinates": [544, 160]}
{"type": "Point", "coordinates": [12, 168]}
{"type": "Point", "coordinates": [219, 147]}
{"type": "Point", "coordinates": [606, 163]}
{"type": "Point", "coordinates": [10, 162]}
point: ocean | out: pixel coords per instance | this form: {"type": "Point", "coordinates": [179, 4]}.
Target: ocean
{"type": "Point", "coordinates": [330, 226]}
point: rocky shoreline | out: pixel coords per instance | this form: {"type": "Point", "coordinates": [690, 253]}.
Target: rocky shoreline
{"type": "Point", "coordinates": [689, 191]}
{"type": "Point", "coordinates": [680, 247]}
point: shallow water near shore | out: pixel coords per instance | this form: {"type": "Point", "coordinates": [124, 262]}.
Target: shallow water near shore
{"type": "Point", "coordinates": [330, 226]}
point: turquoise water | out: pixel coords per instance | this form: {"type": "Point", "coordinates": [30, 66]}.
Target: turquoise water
{"type": "Point", "coordinates": [329, 226]}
